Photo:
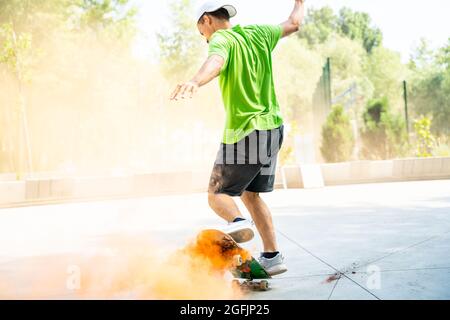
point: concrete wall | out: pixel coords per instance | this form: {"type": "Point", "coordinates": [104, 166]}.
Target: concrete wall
{"type": "Point", "coordinates": [45, 189]}
{"type": "Point", "coordinates": [12, 192]}
{"type": "Point", "coordinates": [387, 170]}
{"type": "Point", "coordinates": [36, 190]}
{"type": "Point", "coordinates": [7, 177]}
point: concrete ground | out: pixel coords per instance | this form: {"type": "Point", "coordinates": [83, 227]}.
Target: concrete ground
{"type": "Point", "coordinates": [375, 241]}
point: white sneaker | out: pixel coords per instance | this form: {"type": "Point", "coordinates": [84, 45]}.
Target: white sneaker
{"type": "Point", "coordinates": [273, 266]}
{"type": "Point", "coordinates": [241, 231]}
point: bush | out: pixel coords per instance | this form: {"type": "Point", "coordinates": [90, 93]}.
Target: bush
{"type": "Point", "coordinates": [337, 136]}
{"type": "Point", "coordinates": [425, 141]}
{"type": "Point", "coordinates": [442, 148]}
{"type": "Point", "coordinates": [287, 152]}
{"type": "Point", "coordinates": [383, 135]}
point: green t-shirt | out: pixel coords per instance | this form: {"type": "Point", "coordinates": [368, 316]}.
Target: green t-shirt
{"type": "Point", "coordinates": [246, 79]}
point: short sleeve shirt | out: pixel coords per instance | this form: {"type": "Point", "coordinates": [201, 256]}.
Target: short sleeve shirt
{"type": "Point", "coordinates": [246, 79]}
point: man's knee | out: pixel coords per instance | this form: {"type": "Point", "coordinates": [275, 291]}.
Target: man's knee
{"type": "Point", "coordinates": [212, 199]}
{"type": "Point", "coordinates": [250, 196]}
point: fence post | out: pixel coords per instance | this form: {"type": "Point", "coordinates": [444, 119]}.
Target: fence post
{"type": "Point", "coordinates": [405, 97]}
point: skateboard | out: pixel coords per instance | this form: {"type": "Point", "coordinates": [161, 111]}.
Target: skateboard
{"type": "Point", "coordinates": [225, 254]}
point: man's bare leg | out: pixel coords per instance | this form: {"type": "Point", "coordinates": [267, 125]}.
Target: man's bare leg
{"type": "Point", "coordinates": [263, 219]}
{"type": "Point", "coordinates": [224, 206]}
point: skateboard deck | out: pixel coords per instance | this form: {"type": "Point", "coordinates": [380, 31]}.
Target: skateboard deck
{"type": "Point", "coordinates": [226, 254]}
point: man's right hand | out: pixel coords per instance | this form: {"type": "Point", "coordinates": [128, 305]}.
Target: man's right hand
{"type": "Point", "coordinates": [187, 89]}
{"type": "Point", "coordinates": [210, 69]}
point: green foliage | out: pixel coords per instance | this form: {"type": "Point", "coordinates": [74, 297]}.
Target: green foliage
{"type": "Point", "coordinates": [443, 56]}
{"type": "Point", "coordinates": [338, 141]}
{"type": "Point", "coordinates": [357, 26]}
{"type": "Point", "coordinates": [442, 147]}
{"type": "Point", "coordinates": [37, 16]}
{"type": "Point", "coordinates": [422, 57]}
{"type": "Point", "coordinates": [383, 134]}
{"type": "Point", "coordinates": [321, 24]}
{"type": "Point", "coordinates": [295, 92]}
{"type": "Point", "coordinates": [431, 95]}
{"type": "Point", "coordinates": [287, 152]}
{"type": "Point", "coordinates": [110, 19]}
{"type": "Point", "coordinates": [357, 55]}
{"type": "Point", "coordinates": [113, 18]}
{"type": "Point", "coordinates": [386, 72]}
{"type": "Point", "coordinates": [180, 48]}
{"type": "Point", "coordinates": [55, 47]}
{"type": "Point", "coordinates": [347, 57]}
{"type": "Point", "coordinates": [347, 60]}
{"type": "Point", "coordinates": [16, 52]}
{"type": "Point", "coordinates": [425, 141]}
{"type": "Point", "coordinates": [429, 86]}
{"type": "Point", "coordinates": [25, 25]}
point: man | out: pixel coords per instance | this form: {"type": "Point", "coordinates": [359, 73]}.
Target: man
{"type": "Point", "coordinates": [245, 165]}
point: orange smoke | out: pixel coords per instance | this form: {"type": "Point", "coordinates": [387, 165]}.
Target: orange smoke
{"type": "Point", "coordinates": [211, 246]}
{"type": "Point", "coordinates": [132, 268]}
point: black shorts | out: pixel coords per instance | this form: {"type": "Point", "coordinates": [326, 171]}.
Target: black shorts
{"type": "Point", "coordinates": [248, 165]}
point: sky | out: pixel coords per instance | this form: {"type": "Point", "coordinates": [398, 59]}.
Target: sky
{"type": "Point", "coordinates": [403, 22]}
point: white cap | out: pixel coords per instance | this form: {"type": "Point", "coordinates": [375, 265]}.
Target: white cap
{"type": "Point", "coordinates": [214, 5]}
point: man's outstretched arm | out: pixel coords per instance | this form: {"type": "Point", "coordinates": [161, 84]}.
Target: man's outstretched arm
{"type": "Point", "coordinates": [210, 69]}
{"type": "Point", "coordinates": [295, 20]}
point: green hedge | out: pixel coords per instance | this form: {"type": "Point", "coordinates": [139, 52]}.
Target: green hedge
{"type": "Point", "coordinates": [383, 134]}
{"type": "Point", "coordinates": [337, 136]}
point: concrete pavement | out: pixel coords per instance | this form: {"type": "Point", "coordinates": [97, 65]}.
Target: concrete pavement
{"type": "Point", "coordinates": [376, 241]}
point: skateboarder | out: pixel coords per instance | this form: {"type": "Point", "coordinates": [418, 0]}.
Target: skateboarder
{"type": "Point", "coordinates": [246, 162]}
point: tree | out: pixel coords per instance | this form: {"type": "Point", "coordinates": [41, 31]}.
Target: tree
{"type": "Point", "coordinates": [383, 134]}
{"type": "Point", "coordinates": [294, 78]}
{"type": "Point", "coordinates": [443, 56]}
{"type": "Point", "coordinates": [424, 138]}
{"type": "Point", "coordinates": [35, 33]}
{"type": "Point", "coordinates": [180, 48]}
{"type": "Point", "coordinates": [347, 60]}
{"type": "Point", "coordinates": [357, 26]}
{"type": "Point", "coordinates": [386, 71]}
{"type": "Point", "coordinates": [338, 141]}
{"type": "Point", "coordinates": [431, 95]}
{"type": "Point", "coordinates": [39, 17]}
{"type": "Point", "coordinates": [16, 54]}
{"type": "Point", "coordinates": [22, 24]}
{"type": "Point", "coordinates": [114, 19]}
{"type": "Point", "coordinates": [36, 17]}
{"type": "Point", "coordinates": [318, 26]}
{"type": "Point", "coordinates": [321, 24]}
{"type": "Point", "coordinates": [429, 88]}
{"type": "Point", "coordinates": [422, 57]}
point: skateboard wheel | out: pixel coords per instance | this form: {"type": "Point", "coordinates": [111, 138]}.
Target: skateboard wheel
{"type": "Point", "coordinates": [264, 285]}
{"type": "Point", "coordinates": [238, 261]}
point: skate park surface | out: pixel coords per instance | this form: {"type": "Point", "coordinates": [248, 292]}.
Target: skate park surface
{"type": "Point", "coordinates": [367, 241]}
